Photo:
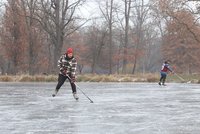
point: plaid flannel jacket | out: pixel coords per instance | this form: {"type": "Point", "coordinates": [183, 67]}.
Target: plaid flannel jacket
{"type": "Point", "coordinates": [67, 66]}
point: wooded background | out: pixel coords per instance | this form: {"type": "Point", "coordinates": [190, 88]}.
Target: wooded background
{"type": "Point", "coordinates": [125, 36]}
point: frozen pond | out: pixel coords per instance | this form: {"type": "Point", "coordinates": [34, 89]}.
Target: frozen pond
{"type": "Point", "coordinates": [118, 108]}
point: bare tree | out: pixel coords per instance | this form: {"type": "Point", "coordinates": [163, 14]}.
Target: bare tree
{"type": "Point", "coordinates": [29, 7]}
{"type": "Point", "coordinates": [58, 19]}
{"type": "Point", "coordinates": [96, 39]}
{"type": "Point", "coordinates": [13, 37]}
{"type": "Point", "coordinates": [127, 4]}
{"type": "Point", "coordinates": [108, 13]}
{"type": "Point", "coordinates": [140, 16]}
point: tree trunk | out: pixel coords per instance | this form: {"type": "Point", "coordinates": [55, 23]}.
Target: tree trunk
{"type": "Point", "coordinates": [127, 18]}
{"type": "Point", "coordinates": [110, 37]}
{"type": "Point", "coordinates": [93, 63]}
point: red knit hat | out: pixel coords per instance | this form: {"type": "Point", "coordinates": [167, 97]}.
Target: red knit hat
{"type": "Point", "coordinates": [69, 50]}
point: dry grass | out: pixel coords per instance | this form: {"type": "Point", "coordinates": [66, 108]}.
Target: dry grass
{"type": "Point", "coordinates": [100, 78]}
{"type": "Point", "coordinates": [118, 78]}
{"type": "Point", "coordinates": [6, 78]}
{"type": "Point", "coordinates": [28, 78]}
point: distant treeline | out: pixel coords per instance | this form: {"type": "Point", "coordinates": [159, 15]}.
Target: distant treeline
{"type": "Point", "coordinates": [125, 37]}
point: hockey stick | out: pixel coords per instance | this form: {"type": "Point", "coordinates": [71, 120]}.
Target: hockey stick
{"type": "Point", "coordinates": [181, 78]}
{"type": "Point", "coordinates": [81, 90]}
{"type": "Point", "coordinates": [84, 93]}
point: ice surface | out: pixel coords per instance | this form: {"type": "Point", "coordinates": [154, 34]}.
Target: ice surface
{"type": "Point", "coordinates": [118, 108]}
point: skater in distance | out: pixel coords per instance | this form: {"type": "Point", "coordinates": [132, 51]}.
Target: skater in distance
{"type": "Point", "coordinates": [164, 71]}
{"type": "Point", "coordinates": [67, 65]}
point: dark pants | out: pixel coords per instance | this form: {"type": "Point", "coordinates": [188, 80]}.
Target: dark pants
{"type": "Point", "coordinates": [61, 80]}
{"type": "Point", "coordinates": [163, 77]}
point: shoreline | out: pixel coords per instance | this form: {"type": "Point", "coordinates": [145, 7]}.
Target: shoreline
{"type": "Point", "coordinates": [149, 78]}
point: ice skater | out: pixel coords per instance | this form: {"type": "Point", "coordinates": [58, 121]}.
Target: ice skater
{"type": "Point", "coordinates": [164, 71]}
{"type": "Point", "coordinates": [67, 65]}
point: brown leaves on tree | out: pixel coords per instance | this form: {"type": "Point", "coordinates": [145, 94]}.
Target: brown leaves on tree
{"type": "Point", "coordinates": [180, 45]}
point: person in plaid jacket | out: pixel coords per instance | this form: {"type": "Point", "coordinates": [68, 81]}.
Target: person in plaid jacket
{"type": "Point", "coordinates": [67, 65]}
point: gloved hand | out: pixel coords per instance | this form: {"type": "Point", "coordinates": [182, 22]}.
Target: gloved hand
{"type": "Point", "coordinates": [73, 79]}
{"type": "Point", "coordinates": [64, 72]}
